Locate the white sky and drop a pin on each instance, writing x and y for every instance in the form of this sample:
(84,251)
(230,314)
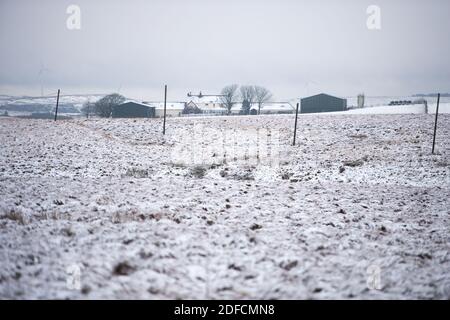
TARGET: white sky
(294,48)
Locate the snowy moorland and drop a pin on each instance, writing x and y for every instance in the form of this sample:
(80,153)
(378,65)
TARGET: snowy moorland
(103,208)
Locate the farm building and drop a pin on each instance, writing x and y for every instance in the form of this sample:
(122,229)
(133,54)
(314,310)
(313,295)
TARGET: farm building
(267,108)
(133,109)
(173,109)
(273,108)
(208,105)
(322,103)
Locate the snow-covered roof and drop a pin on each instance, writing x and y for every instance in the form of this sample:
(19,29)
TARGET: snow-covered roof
(169,105)
(210,106)
(273,106)
(137,102)
(202,100)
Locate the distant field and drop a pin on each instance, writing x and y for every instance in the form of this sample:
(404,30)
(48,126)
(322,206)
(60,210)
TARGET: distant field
(225,207)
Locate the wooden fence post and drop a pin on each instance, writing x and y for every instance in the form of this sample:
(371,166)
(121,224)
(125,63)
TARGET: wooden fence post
(295,126)
(165,102)
(57,103)
(435,122)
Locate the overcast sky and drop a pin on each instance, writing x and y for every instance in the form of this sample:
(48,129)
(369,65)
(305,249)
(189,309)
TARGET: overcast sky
(294,48)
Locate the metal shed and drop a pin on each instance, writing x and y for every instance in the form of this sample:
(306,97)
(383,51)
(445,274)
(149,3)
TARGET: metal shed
(133,110)
(322,103)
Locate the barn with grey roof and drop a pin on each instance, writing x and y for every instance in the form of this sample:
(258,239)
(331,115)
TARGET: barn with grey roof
(322,103)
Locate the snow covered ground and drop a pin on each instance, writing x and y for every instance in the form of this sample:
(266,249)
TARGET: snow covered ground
(372,101)
(416,108)
(359,208)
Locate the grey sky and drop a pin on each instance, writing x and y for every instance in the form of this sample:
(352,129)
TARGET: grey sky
(292,47)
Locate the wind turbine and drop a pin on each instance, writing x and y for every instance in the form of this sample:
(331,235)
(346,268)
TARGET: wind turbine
(41,72)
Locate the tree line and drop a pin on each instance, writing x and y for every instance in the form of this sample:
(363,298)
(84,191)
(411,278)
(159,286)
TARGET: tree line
(246,95)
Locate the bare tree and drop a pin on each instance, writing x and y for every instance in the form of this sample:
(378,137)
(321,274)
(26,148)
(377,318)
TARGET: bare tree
(262,95)
(248,97)
(88,108)
(105,105)
(229,96)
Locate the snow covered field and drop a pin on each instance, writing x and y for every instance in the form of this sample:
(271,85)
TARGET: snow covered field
(112,209)
(407,109)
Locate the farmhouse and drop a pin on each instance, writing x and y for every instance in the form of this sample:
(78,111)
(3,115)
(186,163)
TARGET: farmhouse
(132,109)
(273,108)
(173,109)
(267,108)
(322,103)
(208,105)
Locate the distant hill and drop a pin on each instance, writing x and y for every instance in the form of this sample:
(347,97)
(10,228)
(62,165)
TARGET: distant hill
(29,104)
(431,95)
(42,108)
